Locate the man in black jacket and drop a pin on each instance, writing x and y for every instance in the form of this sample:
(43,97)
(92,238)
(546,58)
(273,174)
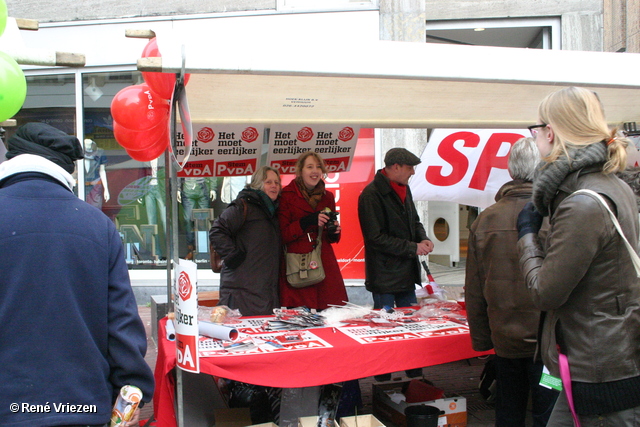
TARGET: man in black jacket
(393,235)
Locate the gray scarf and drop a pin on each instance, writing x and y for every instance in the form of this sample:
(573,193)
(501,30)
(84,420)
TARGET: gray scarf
(549,176)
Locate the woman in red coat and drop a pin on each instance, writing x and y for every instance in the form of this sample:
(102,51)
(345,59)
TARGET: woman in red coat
(301,203)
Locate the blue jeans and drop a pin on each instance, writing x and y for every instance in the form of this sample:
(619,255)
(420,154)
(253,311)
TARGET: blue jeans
(516,378)
(398,299)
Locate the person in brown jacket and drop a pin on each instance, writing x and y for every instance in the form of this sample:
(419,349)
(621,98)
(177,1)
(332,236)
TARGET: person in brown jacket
(582,275)
(501,314)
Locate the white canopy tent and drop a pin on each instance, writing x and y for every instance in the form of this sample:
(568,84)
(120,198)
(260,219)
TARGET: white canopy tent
(383,85)
(389,84)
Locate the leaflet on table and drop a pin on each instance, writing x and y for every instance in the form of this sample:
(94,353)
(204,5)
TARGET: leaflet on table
(252,325)
(409,331)
(336,145)
(186,315)
(222,150)
(261,343)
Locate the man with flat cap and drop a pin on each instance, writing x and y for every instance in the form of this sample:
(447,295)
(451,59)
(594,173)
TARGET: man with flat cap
(71,334)
(394,237)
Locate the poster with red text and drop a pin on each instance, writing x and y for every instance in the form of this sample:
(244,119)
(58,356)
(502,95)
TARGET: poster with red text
(465,166)
(222,150)
(336,145)
(410,331)
(186,312)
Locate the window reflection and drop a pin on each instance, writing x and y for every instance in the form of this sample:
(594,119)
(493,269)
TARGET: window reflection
(131,193)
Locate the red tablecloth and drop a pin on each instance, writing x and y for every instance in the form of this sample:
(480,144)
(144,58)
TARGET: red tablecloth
(347,359)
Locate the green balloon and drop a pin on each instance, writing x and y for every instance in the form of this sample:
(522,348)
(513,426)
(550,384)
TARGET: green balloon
(3,16)
(13,87)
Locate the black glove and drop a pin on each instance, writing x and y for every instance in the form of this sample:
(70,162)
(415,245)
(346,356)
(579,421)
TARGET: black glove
(529,220)
(309,220)
(235,258)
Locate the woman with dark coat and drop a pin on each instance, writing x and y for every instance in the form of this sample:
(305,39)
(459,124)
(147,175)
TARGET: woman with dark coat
(582,276)
(301,217)
(247,236)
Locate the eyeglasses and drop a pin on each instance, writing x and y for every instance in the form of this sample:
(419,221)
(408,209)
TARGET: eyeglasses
(536,128)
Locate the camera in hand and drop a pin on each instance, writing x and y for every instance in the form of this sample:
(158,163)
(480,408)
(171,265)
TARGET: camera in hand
(331,225)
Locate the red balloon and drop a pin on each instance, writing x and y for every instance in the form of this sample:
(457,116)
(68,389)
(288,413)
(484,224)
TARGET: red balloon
(161,83)
(139,108)
(141,140)
(150,153)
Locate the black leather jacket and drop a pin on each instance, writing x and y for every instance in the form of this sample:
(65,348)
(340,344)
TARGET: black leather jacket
(391,231)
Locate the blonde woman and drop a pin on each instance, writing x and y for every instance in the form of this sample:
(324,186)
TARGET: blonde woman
(582,275)
(247,235)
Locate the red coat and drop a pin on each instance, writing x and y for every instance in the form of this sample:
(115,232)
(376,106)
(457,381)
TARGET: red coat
(331,290)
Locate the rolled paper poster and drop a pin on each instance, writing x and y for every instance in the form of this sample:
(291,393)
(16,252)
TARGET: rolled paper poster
(214,330)
(171,330)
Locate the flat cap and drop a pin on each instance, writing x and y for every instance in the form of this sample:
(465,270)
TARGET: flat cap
(401,156)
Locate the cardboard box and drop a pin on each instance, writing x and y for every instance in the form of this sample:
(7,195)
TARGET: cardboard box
(360,421)
(386,409)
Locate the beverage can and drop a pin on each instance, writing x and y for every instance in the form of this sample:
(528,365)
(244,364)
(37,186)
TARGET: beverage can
(126,404)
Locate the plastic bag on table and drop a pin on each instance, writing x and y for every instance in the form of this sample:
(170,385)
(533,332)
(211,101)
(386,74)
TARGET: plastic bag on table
(438,308)
(432,291)
(218,314)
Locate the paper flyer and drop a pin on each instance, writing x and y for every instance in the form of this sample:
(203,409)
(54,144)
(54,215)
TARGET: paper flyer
(186,315)
(336,145)
(222,150)
(423,329)
(261,343)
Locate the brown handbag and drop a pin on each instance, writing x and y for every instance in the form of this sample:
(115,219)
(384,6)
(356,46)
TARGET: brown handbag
(216,258)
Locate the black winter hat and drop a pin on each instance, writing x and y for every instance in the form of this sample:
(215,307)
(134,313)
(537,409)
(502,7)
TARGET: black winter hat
(46,141)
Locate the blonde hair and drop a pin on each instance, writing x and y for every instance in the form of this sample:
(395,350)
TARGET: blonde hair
(576,116)
(259,176)
(303,157)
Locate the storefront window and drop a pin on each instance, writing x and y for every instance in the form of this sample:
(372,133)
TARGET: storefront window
(532,33)
(130,192)
(50,99)
(134,194)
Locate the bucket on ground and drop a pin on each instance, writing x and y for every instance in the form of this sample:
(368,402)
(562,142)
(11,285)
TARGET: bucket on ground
(422,416)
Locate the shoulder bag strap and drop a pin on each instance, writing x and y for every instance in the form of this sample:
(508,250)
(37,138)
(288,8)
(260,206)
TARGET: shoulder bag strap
(244,210)
(565,375)
(634,256)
